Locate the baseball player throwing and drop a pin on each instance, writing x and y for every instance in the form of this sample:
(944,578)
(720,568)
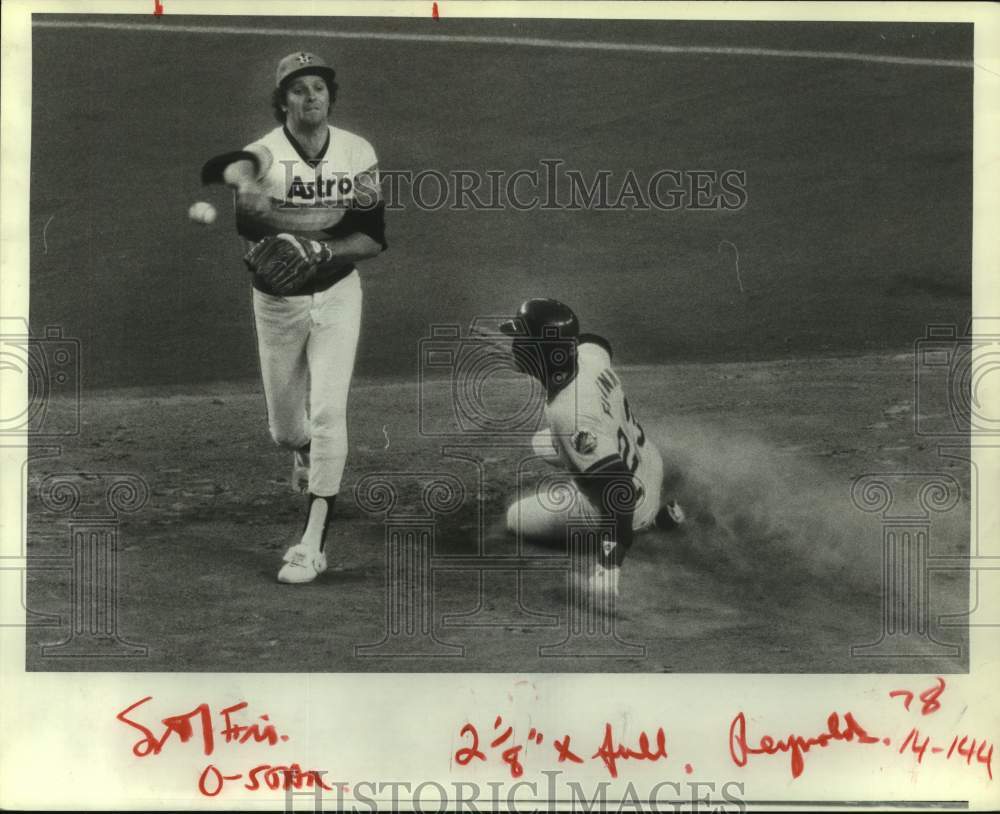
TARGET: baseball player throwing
(308,203)
(613,470)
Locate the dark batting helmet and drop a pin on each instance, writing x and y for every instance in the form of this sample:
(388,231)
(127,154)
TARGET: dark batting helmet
(544,333)
(542,318)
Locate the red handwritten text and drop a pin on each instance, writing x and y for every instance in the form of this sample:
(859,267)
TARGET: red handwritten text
(200,724)
(611,754)
(510,755)
(274,778)
(969,748)
(184,726)
(929,697)
(796,745)
(179,725)
(564,752)
(467,754)
(241,733)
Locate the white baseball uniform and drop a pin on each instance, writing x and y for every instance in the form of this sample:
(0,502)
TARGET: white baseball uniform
(307,342)
(589,422)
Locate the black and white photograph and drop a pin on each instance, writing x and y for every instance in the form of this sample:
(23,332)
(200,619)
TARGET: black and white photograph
(487,345)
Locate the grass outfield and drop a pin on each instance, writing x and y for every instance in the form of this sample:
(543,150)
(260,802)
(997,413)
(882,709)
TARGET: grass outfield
(777,571)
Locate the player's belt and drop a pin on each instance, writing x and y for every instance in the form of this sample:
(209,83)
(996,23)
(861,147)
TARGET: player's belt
(321,282)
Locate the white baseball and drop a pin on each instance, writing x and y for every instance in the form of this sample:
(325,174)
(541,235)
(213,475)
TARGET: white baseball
(202,212)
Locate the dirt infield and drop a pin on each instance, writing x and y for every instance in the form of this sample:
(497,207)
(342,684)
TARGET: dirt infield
(778,569)
(854,237)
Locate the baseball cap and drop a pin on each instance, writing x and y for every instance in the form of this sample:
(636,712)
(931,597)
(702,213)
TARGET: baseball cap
(302,62)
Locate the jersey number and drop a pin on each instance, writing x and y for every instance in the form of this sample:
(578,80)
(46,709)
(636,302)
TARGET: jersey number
(628,455)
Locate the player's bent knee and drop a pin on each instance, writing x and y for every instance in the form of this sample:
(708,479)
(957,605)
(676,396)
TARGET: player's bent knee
(289,440)
(523,520)
(330,441)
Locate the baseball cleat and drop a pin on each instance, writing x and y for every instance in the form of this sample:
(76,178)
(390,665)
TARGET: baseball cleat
(670,516)
(300,472)
(302,564)
(604,582)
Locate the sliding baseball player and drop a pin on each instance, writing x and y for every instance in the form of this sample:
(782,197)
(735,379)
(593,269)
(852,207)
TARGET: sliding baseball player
(613,469)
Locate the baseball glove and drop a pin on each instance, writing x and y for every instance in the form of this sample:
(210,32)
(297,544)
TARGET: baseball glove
(285,263)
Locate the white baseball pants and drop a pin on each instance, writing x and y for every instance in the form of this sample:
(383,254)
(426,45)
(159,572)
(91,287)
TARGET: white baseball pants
(549,506)
(307,346)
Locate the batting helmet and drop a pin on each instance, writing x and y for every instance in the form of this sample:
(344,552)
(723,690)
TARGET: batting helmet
(544,333)
(542,319)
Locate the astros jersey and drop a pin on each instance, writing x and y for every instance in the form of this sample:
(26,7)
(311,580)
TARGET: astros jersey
(591,423)
(310,197)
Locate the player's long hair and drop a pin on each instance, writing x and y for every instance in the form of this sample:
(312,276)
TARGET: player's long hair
(278,100)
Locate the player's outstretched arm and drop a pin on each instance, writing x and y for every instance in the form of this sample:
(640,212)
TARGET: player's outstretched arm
(240,171)
(250,198)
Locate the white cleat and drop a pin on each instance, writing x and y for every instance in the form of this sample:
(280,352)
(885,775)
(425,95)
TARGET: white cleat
(302,564)
(670,516)
(676,512)
(300,472)
(604,582)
